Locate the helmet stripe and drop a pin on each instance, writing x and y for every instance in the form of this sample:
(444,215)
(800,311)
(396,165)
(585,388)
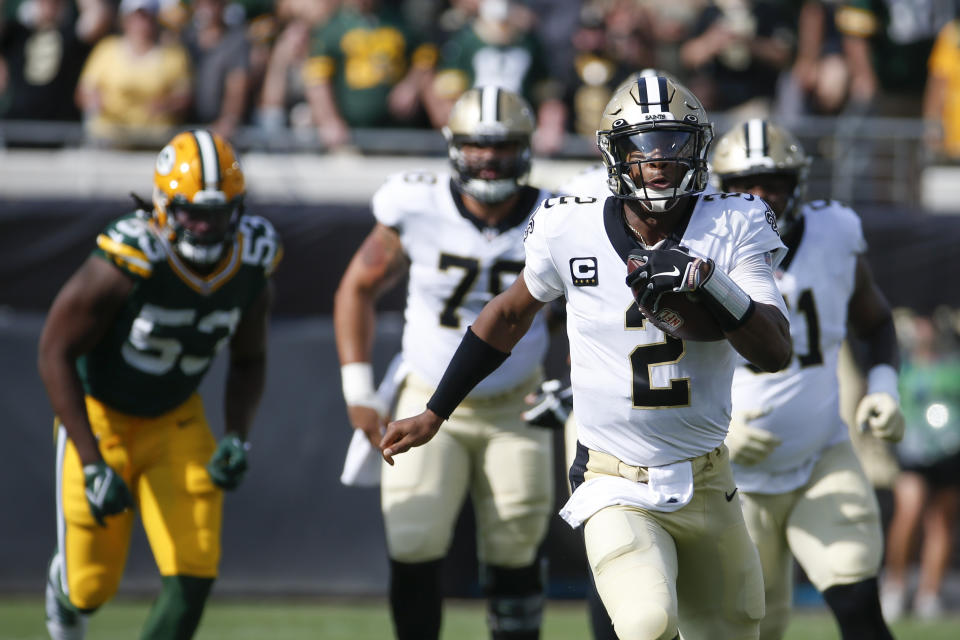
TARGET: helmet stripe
(490,105)
(209,160)
(653,94)
(755,136)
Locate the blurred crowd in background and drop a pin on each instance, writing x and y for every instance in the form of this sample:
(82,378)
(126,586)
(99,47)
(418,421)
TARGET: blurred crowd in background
(133,70)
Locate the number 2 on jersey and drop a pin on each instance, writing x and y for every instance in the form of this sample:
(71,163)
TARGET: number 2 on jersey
(471,268)
(644,358)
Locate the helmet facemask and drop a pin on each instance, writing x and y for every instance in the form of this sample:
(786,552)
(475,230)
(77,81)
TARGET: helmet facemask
(655,165)
(493,174)
(201,247)
(654,136)
(797,191)
(499,124)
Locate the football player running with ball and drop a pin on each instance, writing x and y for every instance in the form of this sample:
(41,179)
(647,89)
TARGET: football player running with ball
(126,343)
(665,538)
(802,487)
(459,237)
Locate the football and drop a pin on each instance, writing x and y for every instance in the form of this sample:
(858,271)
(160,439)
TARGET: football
(683,317)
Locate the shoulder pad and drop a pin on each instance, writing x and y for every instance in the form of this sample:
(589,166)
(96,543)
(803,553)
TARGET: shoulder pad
(129,243)
(261,243)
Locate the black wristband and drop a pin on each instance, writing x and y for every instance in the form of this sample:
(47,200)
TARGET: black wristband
(473,361)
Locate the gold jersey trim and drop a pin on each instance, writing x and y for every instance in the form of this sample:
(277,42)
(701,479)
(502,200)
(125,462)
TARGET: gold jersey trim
(206,285)
(125,256)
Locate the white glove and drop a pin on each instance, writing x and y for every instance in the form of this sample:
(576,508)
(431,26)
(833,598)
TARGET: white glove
(749,445)
(880,412)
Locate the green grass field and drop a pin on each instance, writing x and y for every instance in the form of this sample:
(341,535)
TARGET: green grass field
(22,619)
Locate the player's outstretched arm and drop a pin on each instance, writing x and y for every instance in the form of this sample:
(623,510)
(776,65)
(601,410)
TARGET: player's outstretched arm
(871,320)
(486,344)
(377,266)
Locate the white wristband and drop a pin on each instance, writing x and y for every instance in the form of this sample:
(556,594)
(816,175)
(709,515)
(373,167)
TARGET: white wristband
(883,379)
(358,389)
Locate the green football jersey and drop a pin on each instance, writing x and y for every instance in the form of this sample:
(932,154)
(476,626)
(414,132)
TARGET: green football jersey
(174,322)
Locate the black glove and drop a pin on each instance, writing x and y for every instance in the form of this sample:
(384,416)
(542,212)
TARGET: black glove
(653,273)
(107,493)
(552,406)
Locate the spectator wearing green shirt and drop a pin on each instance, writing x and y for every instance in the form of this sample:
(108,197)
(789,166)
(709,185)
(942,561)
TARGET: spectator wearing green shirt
(367,68)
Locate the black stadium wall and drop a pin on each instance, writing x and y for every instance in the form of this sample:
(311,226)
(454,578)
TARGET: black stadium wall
(292,527)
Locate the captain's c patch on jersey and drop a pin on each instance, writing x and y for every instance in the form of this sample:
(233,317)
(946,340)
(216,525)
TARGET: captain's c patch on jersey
(583,272)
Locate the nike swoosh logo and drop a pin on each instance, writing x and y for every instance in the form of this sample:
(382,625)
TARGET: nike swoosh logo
(729,496)
(675,272)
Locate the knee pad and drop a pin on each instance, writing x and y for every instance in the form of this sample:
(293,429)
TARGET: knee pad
(644,621)
(515,598)
(857,610)
(513,542)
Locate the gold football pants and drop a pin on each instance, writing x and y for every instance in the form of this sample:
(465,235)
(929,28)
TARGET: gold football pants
(487,448)
(831,525)
(163,461)
(695,569)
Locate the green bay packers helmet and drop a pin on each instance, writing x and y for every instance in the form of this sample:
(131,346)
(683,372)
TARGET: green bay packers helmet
(490,117)
(654,120)
(760,147)
(197,174)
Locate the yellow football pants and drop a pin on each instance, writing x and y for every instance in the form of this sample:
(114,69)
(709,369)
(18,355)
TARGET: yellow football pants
(163,461)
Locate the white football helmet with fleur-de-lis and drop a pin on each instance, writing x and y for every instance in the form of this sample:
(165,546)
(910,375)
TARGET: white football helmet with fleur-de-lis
(490,116)
(654,120)
(759,147)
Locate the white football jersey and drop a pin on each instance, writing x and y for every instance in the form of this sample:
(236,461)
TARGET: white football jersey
(457,265)
(647,398)
(817,280)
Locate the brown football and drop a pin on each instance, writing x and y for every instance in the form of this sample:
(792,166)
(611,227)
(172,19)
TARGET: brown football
(682,317)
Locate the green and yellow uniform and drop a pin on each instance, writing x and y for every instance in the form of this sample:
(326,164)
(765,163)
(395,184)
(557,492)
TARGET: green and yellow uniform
(141,384)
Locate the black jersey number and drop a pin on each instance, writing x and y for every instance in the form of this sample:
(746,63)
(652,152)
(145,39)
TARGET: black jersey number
(647,356)
(471,268)
(808,307)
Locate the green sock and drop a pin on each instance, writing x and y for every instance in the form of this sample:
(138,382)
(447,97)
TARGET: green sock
(176,612)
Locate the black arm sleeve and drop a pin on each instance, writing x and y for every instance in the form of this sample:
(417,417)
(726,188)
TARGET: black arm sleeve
(473,361)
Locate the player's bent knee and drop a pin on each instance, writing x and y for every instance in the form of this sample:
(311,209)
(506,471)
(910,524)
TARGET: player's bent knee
(638,620)
(414,544)
(91,592)
(516,543)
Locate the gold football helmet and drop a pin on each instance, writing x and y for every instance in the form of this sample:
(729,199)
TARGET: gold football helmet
(197,177)
(654,121)
(490,117)
(759,147)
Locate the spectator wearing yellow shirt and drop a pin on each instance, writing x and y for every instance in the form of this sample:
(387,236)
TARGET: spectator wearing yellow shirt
(941,100)
(134,88)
